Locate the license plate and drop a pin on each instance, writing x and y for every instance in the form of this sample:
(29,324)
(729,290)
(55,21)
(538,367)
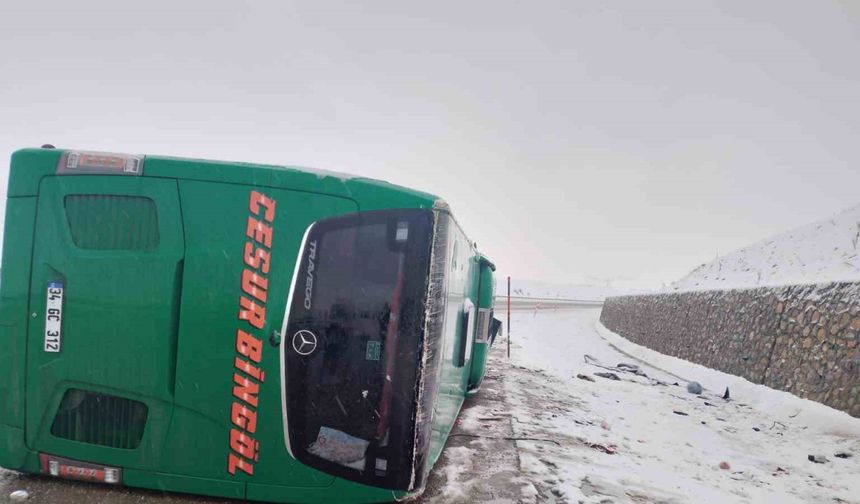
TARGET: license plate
(54,317)
(83,471)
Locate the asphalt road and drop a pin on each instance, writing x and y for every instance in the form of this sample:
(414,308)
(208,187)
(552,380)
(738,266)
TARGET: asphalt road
(490,471)
(488,474)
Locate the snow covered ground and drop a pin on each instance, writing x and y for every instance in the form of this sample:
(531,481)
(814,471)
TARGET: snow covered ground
(536,433)
(644,438)
(820,252)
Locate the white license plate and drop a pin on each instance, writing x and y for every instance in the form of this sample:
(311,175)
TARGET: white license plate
(54,317)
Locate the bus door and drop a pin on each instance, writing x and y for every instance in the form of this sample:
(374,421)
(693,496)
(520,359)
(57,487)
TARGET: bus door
(104,303)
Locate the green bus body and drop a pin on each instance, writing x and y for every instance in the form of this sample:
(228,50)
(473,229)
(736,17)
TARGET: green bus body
(237,330)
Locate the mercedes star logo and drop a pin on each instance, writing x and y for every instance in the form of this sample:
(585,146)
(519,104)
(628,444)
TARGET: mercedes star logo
(304,342)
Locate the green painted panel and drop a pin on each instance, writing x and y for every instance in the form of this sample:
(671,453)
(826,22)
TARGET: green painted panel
(187,484)
(28,168)
(14,298)
(486,299)
(216,220)
(119,323)
(12,449)
(379,195)
(339,491)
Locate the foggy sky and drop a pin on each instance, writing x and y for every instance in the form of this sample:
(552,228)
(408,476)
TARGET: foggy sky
(575,141)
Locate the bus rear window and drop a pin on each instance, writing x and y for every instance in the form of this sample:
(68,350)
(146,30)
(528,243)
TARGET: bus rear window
(352,345)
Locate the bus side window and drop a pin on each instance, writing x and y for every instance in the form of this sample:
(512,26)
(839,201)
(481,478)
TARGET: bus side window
(482,334)
(466,332)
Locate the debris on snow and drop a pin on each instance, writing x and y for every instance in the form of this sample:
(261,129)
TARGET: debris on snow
(694,387)
(726,395)
(608,376)
(659,454)
(585,377)
(609,449)
(19,495)
(775,423)
(725,466)
(843,455)
(780,405)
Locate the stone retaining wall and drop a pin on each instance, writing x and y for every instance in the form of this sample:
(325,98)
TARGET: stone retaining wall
(804,339)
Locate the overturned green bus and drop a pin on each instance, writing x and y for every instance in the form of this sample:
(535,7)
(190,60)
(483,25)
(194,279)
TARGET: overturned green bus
(229,329)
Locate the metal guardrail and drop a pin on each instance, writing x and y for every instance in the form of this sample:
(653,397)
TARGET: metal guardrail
(523,302)
(536,304)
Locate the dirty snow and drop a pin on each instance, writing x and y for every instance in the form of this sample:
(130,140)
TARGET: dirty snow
(765,398)
(820,252)
(19,495)
(480,462)
(459,461)
(646,439)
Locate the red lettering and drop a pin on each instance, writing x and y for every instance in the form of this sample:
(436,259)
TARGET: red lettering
(252,312)
(257,258)
(244,417)
(250,369)
(244,449)
(235,462)
(261,233)
(255,285)
(244,444)
(261,200)
(245,389)
(249,346)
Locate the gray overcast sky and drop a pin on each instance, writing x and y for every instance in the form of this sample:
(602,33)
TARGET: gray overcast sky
(574,140)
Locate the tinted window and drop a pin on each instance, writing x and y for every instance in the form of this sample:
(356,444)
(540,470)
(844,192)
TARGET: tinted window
(353,344)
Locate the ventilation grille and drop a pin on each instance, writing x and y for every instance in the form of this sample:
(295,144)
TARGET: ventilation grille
(101,419)
(112,222)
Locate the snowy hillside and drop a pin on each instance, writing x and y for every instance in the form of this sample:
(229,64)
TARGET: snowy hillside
(821,252)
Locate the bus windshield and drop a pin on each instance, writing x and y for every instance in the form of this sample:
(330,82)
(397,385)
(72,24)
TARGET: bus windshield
(353,344)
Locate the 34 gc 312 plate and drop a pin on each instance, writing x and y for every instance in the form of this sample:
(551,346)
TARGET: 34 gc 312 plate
(54,317)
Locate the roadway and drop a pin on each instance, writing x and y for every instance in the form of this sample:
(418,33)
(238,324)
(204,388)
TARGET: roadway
(529,303)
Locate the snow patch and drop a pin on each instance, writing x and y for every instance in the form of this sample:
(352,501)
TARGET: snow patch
(19,495)
(459,462)
(776,402)
(663,444)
